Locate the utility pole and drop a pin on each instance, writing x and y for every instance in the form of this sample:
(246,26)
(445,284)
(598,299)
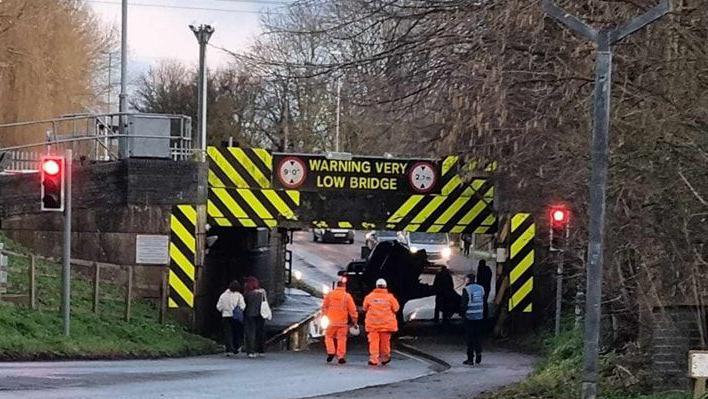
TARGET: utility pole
(339,98)
(604,39)
(110,88)
(286,126)
(66,255)
(122,105)
(203,34)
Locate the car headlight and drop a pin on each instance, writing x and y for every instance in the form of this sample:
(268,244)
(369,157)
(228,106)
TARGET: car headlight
(414,250)
(446,252)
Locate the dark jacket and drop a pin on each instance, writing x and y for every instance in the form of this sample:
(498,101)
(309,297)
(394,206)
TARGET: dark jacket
(254,299)
(443,283)
(484,278)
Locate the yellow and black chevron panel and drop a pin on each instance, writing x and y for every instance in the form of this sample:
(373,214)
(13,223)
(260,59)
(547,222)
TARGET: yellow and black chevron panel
(521,262)
(237,167)
(467,209)
(323,224)
(242,207)
(452,180)
(183,247)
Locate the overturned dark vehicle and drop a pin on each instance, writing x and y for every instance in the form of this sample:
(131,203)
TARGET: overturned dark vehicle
(395,263)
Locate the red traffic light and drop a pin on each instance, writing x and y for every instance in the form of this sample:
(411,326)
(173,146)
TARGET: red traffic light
(560,216)
(51,167)
(52,183)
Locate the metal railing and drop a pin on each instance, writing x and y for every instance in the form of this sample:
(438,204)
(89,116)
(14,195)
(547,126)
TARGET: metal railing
(93,137)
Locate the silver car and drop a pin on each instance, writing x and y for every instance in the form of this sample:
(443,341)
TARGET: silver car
(377,236)
(436,245)
(333,235)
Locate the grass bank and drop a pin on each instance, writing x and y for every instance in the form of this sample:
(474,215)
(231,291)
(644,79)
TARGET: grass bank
(27,334)
(559,375)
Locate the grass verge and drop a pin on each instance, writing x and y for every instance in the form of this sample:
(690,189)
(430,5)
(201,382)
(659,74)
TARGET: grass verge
(559,375)
(27,334)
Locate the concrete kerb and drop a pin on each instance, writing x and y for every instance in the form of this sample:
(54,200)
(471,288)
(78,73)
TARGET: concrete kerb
(438,365)
(290,330)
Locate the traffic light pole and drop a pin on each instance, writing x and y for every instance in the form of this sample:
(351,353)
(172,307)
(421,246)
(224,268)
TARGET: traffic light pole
(604,39)
(66,256)
(559,292)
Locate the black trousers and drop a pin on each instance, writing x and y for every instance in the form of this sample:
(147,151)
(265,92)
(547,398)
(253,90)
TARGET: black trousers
(440,307)
(255,334)
(473,339)
(233,334)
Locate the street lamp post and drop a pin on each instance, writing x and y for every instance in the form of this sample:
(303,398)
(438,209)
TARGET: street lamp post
(203,34)
(122,97)
(604,39)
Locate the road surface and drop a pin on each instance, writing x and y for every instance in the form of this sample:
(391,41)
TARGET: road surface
(499,368)
(280,375)
(286,375)
(319,263)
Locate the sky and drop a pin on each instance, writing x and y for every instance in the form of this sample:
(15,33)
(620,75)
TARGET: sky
(159,29)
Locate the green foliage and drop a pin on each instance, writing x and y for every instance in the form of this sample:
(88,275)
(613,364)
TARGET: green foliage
(37,334)
(559,375)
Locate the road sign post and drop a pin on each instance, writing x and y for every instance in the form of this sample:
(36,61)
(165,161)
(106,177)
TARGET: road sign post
(604,39)
(3,270)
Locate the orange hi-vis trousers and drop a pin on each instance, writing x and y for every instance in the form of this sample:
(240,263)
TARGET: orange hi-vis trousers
(340,335)
(379,346)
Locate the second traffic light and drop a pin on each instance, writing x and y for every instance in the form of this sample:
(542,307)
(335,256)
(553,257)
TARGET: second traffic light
(559,216)
(52,172)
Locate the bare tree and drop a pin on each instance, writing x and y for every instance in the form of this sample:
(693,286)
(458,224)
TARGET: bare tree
(50,61)
(496,80)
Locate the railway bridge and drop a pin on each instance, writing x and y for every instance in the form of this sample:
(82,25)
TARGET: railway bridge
(225,212)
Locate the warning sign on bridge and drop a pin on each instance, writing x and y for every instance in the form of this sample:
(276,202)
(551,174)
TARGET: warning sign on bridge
(317,172)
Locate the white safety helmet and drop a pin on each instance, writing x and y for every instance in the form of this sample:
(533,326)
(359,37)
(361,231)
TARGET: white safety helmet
(381,283)
(354,331)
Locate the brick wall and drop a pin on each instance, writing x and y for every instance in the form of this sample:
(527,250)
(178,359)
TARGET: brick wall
(112,203)
(675,332)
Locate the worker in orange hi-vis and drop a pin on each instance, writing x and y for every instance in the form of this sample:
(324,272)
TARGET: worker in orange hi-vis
(380,307)
(338,307)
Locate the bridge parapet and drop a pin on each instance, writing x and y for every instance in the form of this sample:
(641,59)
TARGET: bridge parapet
(112,201)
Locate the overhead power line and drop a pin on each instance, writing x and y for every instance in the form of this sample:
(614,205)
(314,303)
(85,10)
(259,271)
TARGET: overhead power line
(153,5)
(276,2)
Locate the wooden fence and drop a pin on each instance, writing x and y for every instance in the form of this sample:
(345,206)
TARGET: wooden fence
(96,268)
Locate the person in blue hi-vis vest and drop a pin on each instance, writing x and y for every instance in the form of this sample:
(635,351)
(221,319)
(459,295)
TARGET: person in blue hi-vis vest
(472,311)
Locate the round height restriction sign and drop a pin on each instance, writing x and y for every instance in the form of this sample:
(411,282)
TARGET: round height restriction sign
(292,172)
(422,177)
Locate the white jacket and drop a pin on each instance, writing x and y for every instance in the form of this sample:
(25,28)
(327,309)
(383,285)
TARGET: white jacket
(228,301)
